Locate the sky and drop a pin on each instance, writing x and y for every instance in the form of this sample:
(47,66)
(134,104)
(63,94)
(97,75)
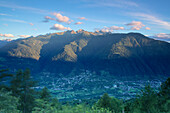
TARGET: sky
(24,18)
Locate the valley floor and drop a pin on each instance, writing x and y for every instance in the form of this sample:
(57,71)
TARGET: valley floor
(88,85)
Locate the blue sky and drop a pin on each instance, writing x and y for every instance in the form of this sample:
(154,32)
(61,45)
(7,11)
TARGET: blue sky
(23,18)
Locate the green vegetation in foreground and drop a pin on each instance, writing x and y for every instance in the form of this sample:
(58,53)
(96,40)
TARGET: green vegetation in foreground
(20,96)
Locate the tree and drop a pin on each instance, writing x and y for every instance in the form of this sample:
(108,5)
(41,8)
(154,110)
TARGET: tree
(116,105)
(16,83)
(129,105)
(146,102)
(8,103)
(164,96)
(104,102)
(3,75)
(42,106)
(44,94)
(112,104)
(23,87)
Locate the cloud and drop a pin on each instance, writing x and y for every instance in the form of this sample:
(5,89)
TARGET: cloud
(82,18)
(15,20)
(59,27)
(103,30)
(136,25)
(12,36)
(31,24)
(2,14)
(5,24)
(104,21)
(112,3)
(31,9)
(110,29)
(152,19)
(7,35)
(129,3)
(147,28)
(61,18)
(70,21)
(78,23)
(24,36)
(47,18)
(162,36)
(136,28)
(116,28)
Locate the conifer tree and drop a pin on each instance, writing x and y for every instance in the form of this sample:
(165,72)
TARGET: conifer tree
(8,103)
(164,96)
(146,102)
(104,102)
(23,87)
(110,103)
(3,75)
(44,94)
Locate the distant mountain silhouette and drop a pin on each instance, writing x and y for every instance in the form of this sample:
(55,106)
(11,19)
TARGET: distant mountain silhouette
(4,42)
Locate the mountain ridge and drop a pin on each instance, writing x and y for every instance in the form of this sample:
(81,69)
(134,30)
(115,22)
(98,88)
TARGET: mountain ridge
(118,53)
(4,42)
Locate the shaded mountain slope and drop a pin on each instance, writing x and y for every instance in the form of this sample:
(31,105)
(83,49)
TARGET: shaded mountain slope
(129,54)
(4,42)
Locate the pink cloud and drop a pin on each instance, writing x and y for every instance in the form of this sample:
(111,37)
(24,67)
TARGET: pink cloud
(47,18)
(7,35)
(31,24)
(61,18)
(152,19)
(110,29)
(147,28)
(59,27)
(136,25)
(163,36)
(136,28)
(24,36)
(78,23)
(117,28)
(82,18)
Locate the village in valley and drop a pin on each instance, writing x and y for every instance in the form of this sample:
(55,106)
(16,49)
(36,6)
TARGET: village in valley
(91,85)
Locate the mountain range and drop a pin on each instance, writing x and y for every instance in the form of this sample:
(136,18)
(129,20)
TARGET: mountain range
(120,54)
(4,42)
